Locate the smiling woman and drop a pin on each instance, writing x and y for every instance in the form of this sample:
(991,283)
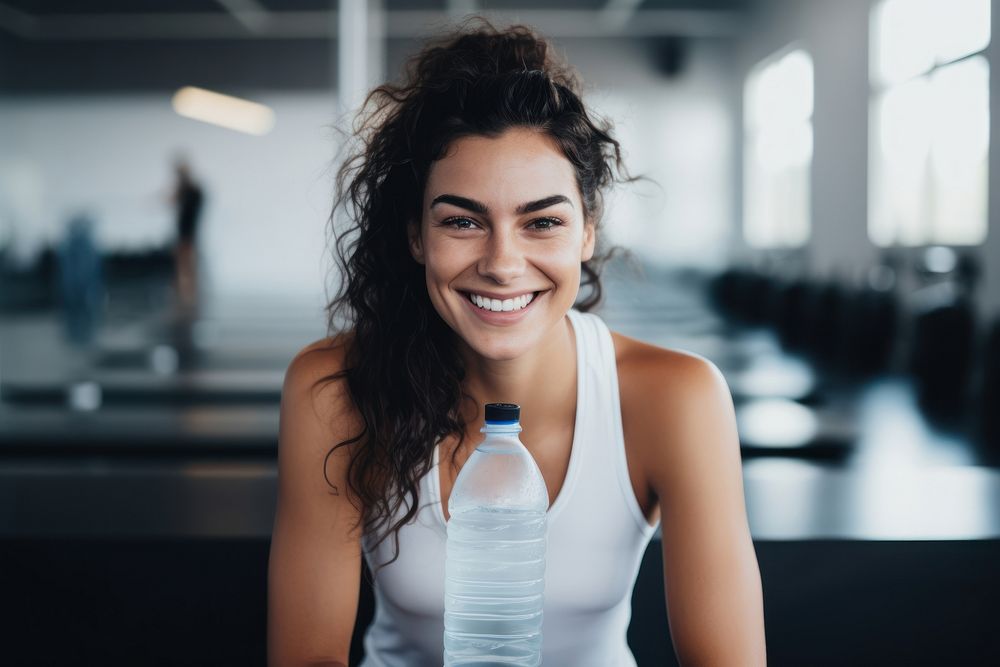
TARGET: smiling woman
(476,206)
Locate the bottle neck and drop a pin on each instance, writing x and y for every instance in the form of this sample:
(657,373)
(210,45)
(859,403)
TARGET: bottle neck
(508,428)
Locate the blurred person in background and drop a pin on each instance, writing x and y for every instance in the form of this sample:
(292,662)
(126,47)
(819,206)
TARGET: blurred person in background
(481,178)
(81,280)
(187,198)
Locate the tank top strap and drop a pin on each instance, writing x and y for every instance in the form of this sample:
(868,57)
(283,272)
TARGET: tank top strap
(602,437)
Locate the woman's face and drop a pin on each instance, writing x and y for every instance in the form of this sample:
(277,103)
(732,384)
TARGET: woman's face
(502,219)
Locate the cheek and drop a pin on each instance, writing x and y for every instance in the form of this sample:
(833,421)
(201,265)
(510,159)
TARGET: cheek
(559,256)
(561,267)
(444,264)
(443,258)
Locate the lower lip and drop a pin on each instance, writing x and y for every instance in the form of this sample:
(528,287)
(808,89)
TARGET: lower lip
(503,317)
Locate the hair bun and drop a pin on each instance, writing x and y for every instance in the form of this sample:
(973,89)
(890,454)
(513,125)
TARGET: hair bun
(480,50)
(519,50)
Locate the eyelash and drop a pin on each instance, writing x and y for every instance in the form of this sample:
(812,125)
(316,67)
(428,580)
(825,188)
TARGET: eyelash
(556,222)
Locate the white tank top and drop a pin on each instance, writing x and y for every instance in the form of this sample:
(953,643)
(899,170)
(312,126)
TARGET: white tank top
(596,538)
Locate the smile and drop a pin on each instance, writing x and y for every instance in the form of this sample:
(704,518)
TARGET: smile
(502,312)
(504,305)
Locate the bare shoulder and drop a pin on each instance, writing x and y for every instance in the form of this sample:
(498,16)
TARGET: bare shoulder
(644,368)
(669,398)
(315,368)
(320,357)
(316,408)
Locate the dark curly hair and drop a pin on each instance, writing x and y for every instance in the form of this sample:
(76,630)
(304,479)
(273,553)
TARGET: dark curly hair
(402,368)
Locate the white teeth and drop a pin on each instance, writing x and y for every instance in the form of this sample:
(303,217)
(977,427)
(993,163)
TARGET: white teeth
(506,305)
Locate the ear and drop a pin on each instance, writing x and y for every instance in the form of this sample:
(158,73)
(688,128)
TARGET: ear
(589,240)
(415,242)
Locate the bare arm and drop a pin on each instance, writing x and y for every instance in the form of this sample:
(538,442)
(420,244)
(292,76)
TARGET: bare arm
(314,571)
(712,580)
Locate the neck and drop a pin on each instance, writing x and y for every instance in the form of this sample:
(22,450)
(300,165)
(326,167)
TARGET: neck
(543,382)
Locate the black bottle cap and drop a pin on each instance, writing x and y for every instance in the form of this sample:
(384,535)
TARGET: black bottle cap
(503,412)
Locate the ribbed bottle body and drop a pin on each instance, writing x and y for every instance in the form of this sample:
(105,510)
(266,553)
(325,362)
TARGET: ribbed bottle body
(494,584)
(495,557)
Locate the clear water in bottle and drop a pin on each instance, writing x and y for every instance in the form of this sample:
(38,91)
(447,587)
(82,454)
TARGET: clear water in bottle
(495,563)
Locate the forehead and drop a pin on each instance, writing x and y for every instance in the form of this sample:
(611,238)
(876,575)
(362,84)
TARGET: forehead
(514,166)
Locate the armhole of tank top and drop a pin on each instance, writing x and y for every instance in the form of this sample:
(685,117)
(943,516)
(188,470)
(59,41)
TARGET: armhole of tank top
(576,453)
(624,479)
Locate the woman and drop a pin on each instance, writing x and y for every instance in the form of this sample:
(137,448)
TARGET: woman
(476,208)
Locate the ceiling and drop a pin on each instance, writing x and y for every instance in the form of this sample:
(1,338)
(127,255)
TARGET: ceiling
(68,46)
(49,7)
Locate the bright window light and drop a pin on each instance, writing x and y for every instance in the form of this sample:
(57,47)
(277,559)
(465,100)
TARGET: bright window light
(226,111)
(959,149)
(964,28)
(898,211)
(904,33)
(911,36)
(778,143)
(929,128)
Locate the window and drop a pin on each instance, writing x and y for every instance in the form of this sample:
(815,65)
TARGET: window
(777,150)
(929,122)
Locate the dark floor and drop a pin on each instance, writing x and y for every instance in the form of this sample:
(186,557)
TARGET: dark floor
(203,602)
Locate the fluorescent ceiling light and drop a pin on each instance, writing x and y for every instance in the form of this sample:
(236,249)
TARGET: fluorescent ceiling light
(223,110)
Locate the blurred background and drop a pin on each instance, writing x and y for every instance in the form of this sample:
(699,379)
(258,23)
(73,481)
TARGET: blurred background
(819,228)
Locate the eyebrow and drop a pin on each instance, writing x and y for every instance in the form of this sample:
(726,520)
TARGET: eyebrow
(482,209)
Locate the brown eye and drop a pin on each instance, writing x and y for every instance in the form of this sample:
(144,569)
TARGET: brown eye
(547,223)
(457,223)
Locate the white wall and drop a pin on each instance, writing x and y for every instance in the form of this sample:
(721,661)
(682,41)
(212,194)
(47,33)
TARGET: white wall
(677,131)
(268,197)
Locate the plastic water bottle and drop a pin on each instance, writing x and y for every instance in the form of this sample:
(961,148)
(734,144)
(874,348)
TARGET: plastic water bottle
(495,559)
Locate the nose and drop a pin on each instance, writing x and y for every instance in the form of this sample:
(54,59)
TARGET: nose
(503,257)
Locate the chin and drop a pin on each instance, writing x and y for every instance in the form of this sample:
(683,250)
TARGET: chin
(499,347)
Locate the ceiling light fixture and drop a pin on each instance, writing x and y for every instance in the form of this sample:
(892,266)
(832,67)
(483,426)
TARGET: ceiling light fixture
(223,110)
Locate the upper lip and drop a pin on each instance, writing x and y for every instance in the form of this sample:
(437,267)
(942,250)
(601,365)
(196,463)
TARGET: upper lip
(494,295)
